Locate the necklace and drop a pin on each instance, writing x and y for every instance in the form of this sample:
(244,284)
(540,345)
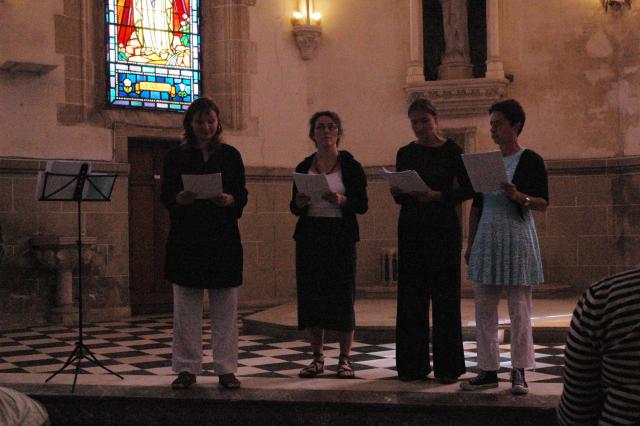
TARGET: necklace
(315,166)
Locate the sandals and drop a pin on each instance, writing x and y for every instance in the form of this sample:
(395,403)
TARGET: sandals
(228,381)
(184,380)
(345,368)
(312,370)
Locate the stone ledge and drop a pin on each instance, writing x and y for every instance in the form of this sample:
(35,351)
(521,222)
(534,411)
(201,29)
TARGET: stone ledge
(31,166)
(461,97)
(614,165)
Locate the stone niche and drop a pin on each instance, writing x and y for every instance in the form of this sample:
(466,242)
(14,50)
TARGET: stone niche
(456,94)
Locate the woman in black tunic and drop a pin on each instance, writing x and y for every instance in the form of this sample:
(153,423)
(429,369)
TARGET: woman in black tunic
(429,243)
(326,234)
(204,249)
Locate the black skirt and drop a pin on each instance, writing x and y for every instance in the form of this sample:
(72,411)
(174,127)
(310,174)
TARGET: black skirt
(326,276)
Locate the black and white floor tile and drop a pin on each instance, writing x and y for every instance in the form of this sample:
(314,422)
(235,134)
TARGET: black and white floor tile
(143,347)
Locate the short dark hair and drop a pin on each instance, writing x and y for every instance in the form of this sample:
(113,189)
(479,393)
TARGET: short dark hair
(197,106)
(424,105)
(332,115)
(512,110)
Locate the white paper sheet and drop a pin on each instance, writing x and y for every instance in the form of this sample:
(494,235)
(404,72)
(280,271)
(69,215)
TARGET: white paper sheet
(406,181)
(205,186)
(486,170)
(103,183)
(55,183)
(313,186)
(66,167)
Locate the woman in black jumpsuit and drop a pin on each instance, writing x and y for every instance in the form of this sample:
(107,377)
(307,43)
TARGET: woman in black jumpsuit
(429,240)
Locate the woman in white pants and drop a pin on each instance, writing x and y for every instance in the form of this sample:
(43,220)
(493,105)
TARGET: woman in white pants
(204,250)
(503,251)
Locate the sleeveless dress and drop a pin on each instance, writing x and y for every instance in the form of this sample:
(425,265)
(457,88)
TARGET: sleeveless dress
(505,249)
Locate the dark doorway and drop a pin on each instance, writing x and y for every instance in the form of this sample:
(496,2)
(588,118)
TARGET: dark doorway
(148,227)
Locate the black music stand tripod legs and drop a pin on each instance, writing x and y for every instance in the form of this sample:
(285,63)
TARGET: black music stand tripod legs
(81,351)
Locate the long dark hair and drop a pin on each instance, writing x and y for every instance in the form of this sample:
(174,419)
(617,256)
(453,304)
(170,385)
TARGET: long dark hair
(200,105)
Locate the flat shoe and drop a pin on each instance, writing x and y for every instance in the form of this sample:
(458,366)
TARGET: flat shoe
(184,380)
(229,381)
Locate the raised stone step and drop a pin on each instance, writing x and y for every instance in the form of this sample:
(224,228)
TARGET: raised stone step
(344,405)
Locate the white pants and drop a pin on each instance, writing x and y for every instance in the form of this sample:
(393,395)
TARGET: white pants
(187,329)
(487,298)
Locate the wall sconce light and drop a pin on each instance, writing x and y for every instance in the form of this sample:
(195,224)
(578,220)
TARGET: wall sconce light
(616,5)
(306,28)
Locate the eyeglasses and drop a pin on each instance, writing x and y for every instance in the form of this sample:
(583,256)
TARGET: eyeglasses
(331,127)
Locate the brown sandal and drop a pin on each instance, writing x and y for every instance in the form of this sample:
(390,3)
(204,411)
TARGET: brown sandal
(345,368)
(312,370)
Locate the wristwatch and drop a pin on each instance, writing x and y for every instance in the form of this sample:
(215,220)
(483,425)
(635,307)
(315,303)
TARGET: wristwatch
(527,201)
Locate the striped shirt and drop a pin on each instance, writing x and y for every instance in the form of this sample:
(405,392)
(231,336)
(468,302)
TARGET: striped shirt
(602,355)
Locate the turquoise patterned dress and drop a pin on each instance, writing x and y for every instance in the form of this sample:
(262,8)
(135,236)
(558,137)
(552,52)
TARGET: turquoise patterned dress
(505,249)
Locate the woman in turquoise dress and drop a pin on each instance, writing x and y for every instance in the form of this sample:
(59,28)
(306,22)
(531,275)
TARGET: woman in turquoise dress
(503,251)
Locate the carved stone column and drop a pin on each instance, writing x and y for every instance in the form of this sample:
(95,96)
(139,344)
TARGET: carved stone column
(415,67)
(455,61)
(495,68)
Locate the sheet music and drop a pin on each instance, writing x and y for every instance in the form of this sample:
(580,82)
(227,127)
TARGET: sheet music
(312,185)
(486,170)
(205,186)
(406,181)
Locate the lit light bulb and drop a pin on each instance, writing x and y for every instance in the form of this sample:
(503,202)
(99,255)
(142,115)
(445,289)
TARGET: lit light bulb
(316,16)
(298,15)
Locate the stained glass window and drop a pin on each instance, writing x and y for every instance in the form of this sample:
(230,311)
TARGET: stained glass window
(153,53)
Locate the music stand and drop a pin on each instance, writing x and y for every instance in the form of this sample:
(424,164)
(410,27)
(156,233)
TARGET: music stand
(69,184)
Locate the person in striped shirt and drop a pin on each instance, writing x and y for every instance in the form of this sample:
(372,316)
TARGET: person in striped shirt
(602,355)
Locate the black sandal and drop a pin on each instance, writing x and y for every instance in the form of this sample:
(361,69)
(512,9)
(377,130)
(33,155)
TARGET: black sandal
(345,368)
(312,370)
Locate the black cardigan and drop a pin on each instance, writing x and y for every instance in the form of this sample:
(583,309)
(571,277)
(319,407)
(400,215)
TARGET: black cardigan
(355,183)
(530,177)
(203,247)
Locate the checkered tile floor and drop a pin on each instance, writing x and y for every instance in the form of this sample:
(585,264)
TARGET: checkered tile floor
(143,347)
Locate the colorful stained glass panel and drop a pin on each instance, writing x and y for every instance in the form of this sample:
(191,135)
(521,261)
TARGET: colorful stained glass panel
(153,53)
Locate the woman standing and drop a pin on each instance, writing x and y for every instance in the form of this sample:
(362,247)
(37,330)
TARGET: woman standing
(429,242)
(203,248)
(503,251)
(326,234)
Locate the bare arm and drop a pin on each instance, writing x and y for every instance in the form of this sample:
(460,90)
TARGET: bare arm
(529,201)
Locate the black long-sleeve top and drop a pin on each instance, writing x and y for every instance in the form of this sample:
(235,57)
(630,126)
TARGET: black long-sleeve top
(442,170)
(355,183)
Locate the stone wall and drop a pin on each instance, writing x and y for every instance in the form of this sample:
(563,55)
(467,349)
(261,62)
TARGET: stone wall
(27,289)
(591,229)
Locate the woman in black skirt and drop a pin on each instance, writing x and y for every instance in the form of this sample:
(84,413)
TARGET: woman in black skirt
(326,236)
